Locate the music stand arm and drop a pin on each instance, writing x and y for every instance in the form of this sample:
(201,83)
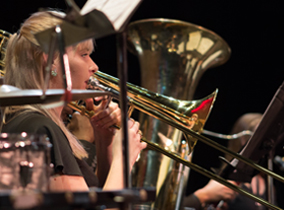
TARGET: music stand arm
(122,72)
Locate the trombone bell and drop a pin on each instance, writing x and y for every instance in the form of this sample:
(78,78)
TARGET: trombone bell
(190,114)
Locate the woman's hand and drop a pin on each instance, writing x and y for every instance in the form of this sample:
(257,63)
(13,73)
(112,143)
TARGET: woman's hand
(135,145)
(103,120)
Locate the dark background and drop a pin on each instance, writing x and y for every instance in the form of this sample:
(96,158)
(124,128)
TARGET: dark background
(247,82)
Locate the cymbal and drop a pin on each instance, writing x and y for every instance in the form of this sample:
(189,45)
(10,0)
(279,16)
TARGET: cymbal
(10,95)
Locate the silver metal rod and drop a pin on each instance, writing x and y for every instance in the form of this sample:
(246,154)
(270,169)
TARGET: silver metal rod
(224,136)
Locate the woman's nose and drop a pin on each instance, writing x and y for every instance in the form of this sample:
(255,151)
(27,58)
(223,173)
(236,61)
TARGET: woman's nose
(93,68)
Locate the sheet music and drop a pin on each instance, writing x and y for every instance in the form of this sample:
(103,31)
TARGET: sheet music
(117,11)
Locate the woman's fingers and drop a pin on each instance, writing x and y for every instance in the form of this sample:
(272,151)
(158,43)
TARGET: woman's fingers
(108,117)
(134,125)
(89,104)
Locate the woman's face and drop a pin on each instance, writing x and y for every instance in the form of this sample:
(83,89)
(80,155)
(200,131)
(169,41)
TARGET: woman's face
(81,64)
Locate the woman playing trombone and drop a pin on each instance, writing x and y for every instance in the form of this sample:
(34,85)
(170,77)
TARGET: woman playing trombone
(25,66)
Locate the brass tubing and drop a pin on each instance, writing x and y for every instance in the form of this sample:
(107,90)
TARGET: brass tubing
(80,109)
(208,174)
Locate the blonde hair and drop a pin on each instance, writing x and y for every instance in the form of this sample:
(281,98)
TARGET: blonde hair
(25,66)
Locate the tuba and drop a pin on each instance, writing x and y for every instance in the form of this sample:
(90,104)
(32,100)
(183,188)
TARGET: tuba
(173,55)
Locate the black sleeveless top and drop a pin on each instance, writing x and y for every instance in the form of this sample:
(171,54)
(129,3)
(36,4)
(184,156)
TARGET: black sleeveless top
(61,154)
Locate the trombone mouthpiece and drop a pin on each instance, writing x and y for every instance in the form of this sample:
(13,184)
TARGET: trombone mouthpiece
(94,83)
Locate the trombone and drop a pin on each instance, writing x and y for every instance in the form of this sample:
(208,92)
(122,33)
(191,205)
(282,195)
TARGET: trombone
(167,109)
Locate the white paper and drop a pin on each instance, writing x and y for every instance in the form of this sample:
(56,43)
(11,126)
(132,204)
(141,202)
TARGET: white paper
(117,11)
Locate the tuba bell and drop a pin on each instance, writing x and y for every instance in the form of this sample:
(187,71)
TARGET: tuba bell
(173,55)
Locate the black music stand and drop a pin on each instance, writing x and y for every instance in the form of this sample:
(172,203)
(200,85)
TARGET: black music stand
(261,145)
(262,142)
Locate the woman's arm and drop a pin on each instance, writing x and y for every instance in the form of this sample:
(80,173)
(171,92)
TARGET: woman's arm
(59,183)
(115,179)
(104,133)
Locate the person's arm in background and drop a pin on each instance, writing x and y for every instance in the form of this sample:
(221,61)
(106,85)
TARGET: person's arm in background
(213,192)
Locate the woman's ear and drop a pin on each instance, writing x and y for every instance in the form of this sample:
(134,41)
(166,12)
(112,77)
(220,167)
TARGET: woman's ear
(53,67)
(45,59)
(45,56)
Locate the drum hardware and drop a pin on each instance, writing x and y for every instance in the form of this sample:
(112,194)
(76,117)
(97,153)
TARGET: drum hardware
(26,170)
(24,162)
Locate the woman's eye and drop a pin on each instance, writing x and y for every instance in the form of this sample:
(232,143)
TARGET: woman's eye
(85,55)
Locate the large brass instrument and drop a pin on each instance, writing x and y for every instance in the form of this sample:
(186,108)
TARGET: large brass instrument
(4,37)
(173,56)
